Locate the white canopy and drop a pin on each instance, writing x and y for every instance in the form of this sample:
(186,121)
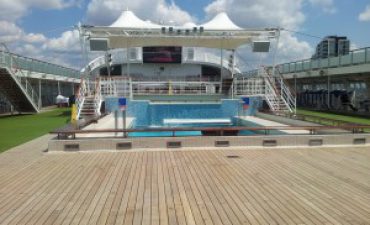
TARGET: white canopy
(130,31)
(129,20)
(220,22)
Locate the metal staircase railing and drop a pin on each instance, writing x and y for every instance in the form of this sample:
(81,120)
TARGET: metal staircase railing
(97,97)
(89,90)
(19,77)
(80,98)
(280,88)
(272,88)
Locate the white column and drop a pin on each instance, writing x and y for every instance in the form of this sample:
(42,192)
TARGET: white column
(40,93)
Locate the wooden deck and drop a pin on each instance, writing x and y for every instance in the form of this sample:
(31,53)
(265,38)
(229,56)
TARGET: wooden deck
(276,186)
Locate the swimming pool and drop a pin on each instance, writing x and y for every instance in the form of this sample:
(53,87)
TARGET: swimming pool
(224,122)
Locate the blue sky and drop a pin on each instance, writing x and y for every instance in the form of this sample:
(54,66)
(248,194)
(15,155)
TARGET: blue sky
(42,29)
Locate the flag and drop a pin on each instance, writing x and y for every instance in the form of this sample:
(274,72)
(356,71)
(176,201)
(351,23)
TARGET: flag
(245,103)
(122,104)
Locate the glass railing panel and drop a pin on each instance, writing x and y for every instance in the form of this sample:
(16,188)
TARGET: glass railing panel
(359,56)
(292,67)
(324,63)
(368,55)
(315,64)
(307,65)
(286,68)
(334,61)
(345,59)
(299,66)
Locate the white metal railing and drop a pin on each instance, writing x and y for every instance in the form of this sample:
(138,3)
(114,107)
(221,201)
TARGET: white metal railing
(176,88)
(97,97)
(271,96)
(19,77)
(115,86)
(355,57)
(125,87)
(288,97)
(34,65)
(272,88)
(80,97)
(249,86)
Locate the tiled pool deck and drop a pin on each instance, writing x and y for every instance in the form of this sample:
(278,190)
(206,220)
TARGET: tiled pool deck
(265,186)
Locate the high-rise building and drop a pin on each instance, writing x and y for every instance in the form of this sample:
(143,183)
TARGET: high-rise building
(332,46)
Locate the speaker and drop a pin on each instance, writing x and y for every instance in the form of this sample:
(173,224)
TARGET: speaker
(98,44)
(261,46)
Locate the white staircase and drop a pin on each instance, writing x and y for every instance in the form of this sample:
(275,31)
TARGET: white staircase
(272,88)
(15,85)
(89,99)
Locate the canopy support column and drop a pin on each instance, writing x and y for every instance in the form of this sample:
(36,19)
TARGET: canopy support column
(232,73)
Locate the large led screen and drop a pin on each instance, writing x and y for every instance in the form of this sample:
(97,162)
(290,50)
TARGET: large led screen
(162,54)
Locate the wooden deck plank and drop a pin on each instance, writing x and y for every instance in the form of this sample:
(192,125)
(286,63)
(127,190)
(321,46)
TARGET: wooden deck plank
(80,205)
(118,217)
(31,194)
(110,208)
(269,186)
(276,194)
(57,193)
(75,191)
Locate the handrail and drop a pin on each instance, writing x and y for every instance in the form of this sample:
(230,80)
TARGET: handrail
(80,97)
(312,129)
(21,80)
(355,57)
(39,66)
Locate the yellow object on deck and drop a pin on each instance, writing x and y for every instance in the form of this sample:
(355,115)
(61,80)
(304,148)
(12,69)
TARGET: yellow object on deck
(74,114)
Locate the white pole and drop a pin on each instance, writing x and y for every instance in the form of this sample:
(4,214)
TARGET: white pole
(275,53)
(40,92)
(232,73)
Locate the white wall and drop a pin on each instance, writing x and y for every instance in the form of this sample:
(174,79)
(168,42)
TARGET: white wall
(169,70)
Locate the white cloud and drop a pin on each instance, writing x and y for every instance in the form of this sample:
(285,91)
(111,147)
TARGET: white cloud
(265,13)
(12,10)
(154,10)
(34,38)
(326,5)
(10,32)
(257,13)
(365,15)
(67,42)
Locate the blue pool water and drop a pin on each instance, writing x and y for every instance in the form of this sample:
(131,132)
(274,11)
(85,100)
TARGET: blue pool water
(147,114)
(186,133)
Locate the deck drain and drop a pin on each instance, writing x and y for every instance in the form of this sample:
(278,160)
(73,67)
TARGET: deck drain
(233,156)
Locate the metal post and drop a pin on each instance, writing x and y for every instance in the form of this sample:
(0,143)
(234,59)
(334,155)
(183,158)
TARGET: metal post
(116,121)
(295,94)
(232,74)
(275,53)
(221,68)
(328,92)
(131,93)
(40,92)
(124,122)
(107,63)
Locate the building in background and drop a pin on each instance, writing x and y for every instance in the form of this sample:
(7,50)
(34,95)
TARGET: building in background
(332,46)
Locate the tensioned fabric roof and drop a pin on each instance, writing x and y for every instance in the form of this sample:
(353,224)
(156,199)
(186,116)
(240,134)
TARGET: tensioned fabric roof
(129,20)
(220,22)
(130,31)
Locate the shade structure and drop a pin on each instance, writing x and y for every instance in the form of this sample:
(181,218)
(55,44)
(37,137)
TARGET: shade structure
(207,42)
(128,19)
(130,31)
(220,22)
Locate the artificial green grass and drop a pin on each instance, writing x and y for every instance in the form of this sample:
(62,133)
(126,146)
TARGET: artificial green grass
(18,129)
(350,119)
